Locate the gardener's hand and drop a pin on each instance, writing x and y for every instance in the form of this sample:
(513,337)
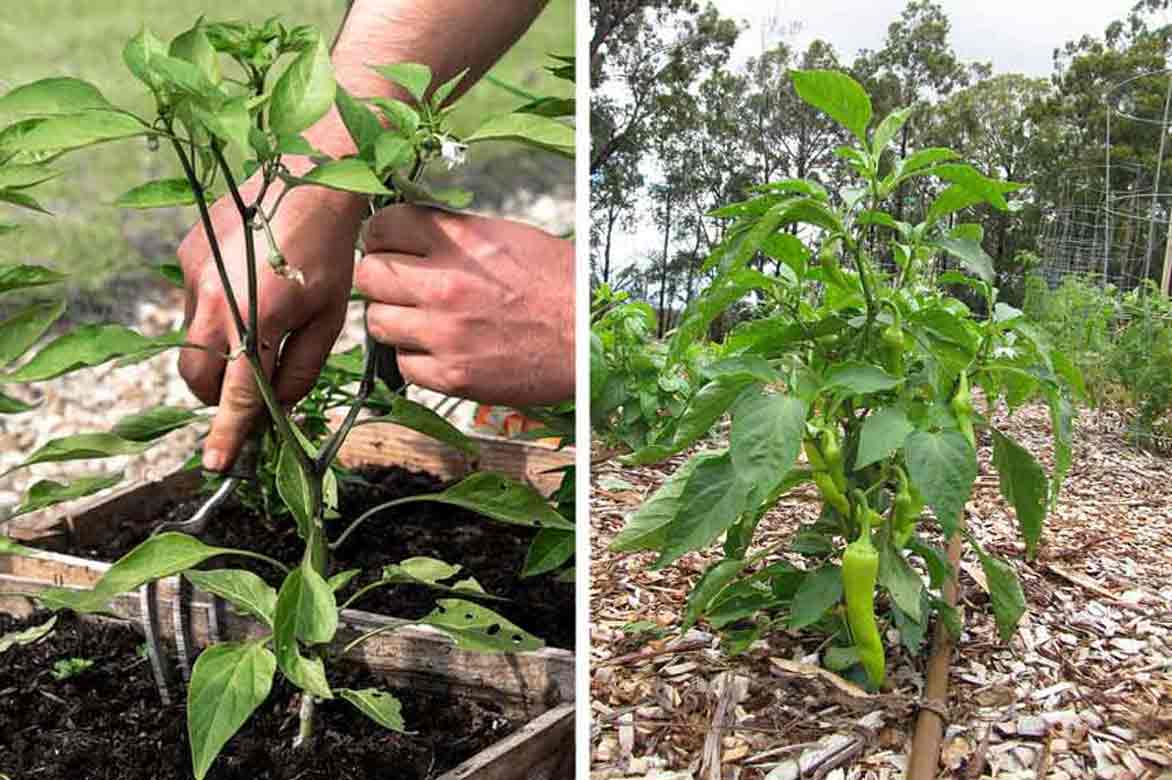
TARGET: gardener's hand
(477,308)
(317,237)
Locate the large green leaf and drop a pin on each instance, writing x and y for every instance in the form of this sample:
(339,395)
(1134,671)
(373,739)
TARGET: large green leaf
(85,347)
(708,587)
(704,409)
(72,131)
(46,492)
(380,706)
(541,132)
(860,379)
(56,95)
(159,556)
(418,417)
(889,128)
(304,92)
(1024,484)
(971,255)
(838,95)
(194,46)
(294,487)
(501,499)
(1005,594)
(725,290)
(241,588)
(480,629)
(157,194)
(1062,425)
(942,466)
(16,177)
(153,423)
(83,446)
(228,120)
(20,331)
(899,579)
(549,550)
(884,432)
(14,276)
(819,592)
(349,175)
(712,501)
(647,528)
(392,152)
(360,122)
(228,682)
(412,76)
(766,436)
(138,54)
(306,610)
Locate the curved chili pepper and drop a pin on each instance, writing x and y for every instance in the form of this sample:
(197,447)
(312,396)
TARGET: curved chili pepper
(962,409)
(860,572)
(907,508)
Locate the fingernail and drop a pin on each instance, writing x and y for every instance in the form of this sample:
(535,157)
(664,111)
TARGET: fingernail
(215,460)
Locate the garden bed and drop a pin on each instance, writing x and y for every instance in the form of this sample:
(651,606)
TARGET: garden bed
(107,721)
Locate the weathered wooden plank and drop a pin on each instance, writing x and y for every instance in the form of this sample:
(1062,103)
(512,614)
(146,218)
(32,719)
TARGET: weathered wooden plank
(543,749)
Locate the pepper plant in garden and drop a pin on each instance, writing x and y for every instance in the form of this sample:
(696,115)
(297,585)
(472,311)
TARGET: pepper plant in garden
(251,90)
(866,366)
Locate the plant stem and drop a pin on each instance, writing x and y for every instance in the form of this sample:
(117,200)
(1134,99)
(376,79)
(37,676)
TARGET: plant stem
(306,720)
(365,388)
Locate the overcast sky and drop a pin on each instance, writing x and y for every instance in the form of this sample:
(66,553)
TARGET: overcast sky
(1016,36)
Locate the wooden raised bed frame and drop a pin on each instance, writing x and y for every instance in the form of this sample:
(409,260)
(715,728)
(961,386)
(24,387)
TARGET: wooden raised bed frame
(534,686)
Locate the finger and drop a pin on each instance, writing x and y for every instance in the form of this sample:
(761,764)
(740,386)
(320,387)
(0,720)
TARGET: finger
(393,278)
(401,327)
(303,354)
(403,228)
(203,369)
(443,376)
(240,407)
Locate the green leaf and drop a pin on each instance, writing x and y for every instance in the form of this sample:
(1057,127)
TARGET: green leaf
(529,129)
(19,277)
(82,446)
(348,175)
(1024,484)
(921,160)
(725,290)
(159,556)
(83,602)
(229,121)
(22,199)
(1062,425)
(412,76)
(19,176)
(647,528)
(381,707)
(46,492)
(294,488)
(28,636)
(860,379)
(342,579)
(704,409)
(20,331)
(900,580)
(1005,594)
(85,347)
(138,54)
(445,90)
(501,499)
(400,115)
(360,122)
(479,629)
(392,152)
(163,193)
(549,550)
(942,467)
(304,92)
(10,405)
(241,588)
(306,610)
(57,95)
(889,128)
(837,95)
(708,587)
(971,255)
(228,682)
(153,423)
(10,547)
(73,131)
(711,502)
(193,46)
(884,432)
(968,178)
(820,591)
(418,417)
(765,439)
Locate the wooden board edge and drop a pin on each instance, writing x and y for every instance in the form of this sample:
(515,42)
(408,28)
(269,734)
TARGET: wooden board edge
(537,751)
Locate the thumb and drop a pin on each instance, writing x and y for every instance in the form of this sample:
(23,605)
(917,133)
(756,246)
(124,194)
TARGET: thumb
(241,406)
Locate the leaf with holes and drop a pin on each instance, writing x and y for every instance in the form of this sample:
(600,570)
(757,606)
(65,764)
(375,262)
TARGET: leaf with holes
(479,629)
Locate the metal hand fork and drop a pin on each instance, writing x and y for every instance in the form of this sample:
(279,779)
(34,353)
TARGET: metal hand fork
(181,602)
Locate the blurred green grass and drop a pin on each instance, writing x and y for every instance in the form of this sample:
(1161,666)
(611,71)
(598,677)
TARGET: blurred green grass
(88,237)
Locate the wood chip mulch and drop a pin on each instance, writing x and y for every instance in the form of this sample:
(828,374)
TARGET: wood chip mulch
(1083,690)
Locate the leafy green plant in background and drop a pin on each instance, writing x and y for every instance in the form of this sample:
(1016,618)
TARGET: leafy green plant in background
(869,374)
(251,90)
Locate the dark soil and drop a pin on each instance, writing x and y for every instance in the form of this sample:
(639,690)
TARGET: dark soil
(491,552)
(108,722)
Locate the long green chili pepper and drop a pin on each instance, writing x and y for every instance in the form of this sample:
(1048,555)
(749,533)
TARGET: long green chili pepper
(832,454)
(962,409)
(831,494)
(894,343)
(860,572)
(906,511)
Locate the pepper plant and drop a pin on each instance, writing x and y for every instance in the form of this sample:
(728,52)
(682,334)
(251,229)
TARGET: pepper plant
(865,366)
(224,89)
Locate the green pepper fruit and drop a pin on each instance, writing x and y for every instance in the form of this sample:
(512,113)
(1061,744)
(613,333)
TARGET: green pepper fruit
(962,409)
(831,270)
(906,511)
(817,462)
(831,494)
(860,573)
(832,454)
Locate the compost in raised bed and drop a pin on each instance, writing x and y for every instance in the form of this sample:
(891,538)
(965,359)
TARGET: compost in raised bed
(107,721)
(492,552)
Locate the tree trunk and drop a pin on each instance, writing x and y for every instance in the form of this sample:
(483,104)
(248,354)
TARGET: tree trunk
(612,217)
(663,276)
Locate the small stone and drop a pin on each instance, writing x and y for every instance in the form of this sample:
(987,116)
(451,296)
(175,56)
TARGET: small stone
(1031,726)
